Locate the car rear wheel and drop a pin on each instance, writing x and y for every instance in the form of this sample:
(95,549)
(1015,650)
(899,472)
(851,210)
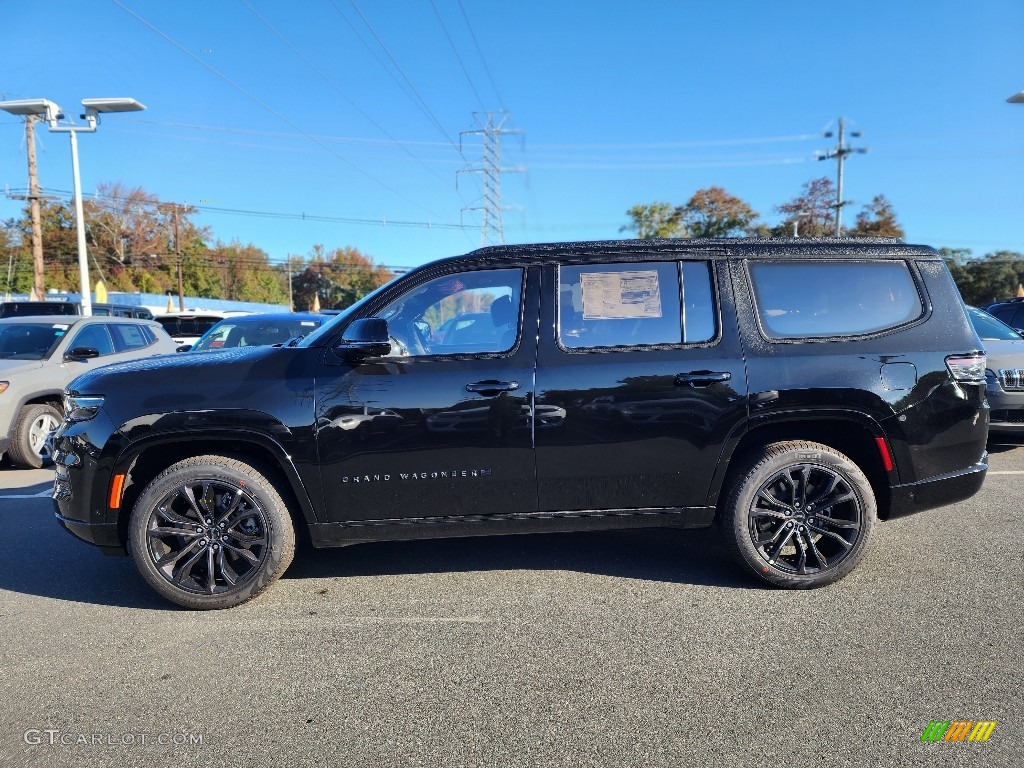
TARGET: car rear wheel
(799,515)
(30,448)
(211,532)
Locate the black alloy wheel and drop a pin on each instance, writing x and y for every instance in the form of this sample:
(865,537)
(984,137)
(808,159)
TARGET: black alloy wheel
(800,515)
(211,532)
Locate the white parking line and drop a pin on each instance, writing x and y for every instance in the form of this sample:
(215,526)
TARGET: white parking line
(39,495)
(1007,472)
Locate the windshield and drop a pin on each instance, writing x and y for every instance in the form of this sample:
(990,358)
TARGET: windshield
(989,328)
(29,341)
(255,331)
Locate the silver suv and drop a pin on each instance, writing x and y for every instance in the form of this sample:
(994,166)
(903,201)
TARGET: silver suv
(40,355)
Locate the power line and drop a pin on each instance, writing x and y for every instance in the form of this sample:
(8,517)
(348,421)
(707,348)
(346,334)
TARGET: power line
(267,107)
(426,109)
(480,53)
(382,221)
(336,89)
(458,58)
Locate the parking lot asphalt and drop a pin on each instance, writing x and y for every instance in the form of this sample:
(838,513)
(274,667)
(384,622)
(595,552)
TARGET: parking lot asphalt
(641,648)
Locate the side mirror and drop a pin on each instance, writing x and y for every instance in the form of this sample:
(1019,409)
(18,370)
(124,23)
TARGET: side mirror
(183,348)
(81,354)
(367,337)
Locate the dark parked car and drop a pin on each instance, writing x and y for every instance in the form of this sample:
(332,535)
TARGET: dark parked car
(258,330)
(794,391)
(1004,377)
(1009,311)
(36,308)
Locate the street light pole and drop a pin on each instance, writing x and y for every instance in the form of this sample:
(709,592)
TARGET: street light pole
(83,258)
(49,111)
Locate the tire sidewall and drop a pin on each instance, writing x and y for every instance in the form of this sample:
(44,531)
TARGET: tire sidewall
(280,533)
(765,465)
(21,451)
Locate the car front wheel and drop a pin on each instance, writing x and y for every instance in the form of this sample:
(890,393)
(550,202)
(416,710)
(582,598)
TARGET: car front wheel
(799,514)
(211,532)
(30,448)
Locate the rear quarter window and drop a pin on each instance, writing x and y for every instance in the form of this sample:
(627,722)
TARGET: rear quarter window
(128,337)
(829,299)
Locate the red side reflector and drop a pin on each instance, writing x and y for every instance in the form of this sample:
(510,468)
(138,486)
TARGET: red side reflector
(116,487)
(883,451)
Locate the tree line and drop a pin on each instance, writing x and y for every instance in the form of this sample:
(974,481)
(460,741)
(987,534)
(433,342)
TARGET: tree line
(136,242)
(713,212)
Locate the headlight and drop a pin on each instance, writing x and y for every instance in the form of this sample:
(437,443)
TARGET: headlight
(81,407)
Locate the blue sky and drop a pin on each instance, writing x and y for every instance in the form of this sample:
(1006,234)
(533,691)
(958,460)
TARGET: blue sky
(354,111)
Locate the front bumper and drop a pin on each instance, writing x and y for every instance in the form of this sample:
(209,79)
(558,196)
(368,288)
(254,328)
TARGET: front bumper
(79,487)
(1007,408)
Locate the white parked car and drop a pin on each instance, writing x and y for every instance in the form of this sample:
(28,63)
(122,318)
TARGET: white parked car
(40,355)
(187,327)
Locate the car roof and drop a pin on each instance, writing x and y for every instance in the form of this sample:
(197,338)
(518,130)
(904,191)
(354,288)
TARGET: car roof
(201,313)
(257,317)
(837,247)
(71,319)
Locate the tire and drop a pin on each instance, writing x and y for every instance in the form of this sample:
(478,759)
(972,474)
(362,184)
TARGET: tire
(799,515)
(210,532)
(29,447)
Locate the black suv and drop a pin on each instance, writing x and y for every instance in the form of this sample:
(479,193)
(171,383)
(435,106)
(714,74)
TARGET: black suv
(792,391)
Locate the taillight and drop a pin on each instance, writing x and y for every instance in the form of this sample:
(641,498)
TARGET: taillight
(967,368)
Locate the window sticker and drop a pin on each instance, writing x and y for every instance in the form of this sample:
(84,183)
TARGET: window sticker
(619,295)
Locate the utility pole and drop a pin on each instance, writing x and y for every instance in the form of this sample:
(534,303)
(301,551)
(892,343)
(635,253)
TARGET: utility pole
(291,297)
(491,230)
(839,153)
(177,255)
(33,197)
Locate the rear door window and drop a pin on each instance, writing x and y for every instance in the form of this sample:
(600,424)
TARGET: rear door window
(628,304)
(834,298)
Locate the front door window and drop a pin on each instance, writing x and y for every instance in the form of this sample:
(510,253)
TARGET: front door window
(465,314)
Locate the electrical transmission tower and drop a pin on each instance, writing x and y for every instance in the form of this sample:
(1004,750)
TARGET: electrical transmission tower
(839,153)
(492,127)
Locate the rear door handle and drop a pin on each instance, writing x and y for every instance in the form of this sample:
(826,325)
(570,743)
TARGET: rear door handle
(701,378)
(492,387)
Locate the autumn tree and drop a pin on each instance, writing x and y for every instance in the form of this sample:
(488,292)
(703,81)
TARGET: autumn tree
(339,278)
(713,212)
(877,219)
(60,243)
(131,231)
(811,213)
(245,273)
(655,220)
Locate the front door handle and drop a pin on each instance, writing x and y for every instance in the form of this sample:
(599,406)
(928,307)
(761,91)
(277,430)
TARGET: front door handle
(491,388)
(701,378)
